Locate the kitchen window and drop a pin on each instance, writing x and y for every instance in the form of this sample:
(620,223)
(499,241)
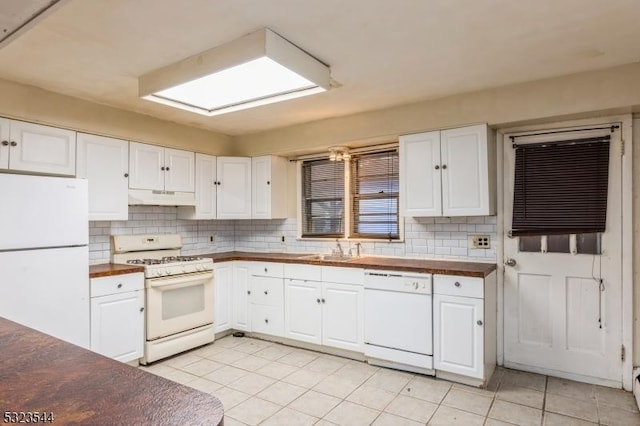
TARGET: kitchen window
(354,198)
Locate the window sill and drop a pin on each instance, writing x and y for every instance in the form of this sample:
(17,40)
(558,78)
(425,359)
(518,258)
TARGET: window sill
(351,240)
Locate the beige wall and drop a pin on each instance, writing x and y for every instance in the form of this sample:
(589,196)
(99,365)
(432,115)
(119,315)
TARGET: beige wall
(611,90)
(33,104)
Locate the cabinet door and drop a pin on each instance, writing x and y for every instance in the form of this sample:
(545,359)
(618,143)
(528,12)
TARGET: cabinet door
(179,170)
(420,175)
(42,149)
(117,323)
(205,188)
(342,316)
(261,187)
(465,174)
(240,290)
(104,162)
(303,311)
(146,164)
(223,300)
(234,188)
(4,143)
(458,335)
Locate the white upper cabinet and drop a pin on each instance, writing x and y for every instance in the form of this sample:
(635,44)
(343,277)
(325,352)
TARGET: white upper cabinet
(162,169)
(206,178)
(268,187)
(29,147)
(104,162)
(233,188)
(448,173)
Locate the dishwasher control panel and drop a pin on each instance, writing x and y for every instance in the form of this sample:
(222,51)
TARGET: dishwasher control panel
(401,282)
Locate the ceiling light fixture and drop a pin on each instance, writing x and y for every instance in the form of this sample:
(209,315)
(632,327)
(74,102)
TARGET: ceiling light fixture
(339,153)
(257,69)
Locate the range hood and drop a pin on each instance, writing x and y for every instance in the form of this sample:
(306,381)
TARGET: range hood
(147,197)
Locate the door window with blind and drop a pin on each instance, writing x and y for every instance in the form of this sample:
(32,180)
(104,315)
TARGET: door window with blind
(356,198)
(560,195)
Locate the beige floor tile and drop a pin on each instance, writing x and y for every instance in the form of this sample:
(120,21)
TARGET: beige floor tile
(251,346)
(514,413)
(252,383)
(427,388)
(230,397)
(491,422)
(181,360)
(616,398)
(553,419)
(281,393)
(228,356)
(180,376)
(524,379)
(204,385)
(274,352)
(356,372)
(386,419)
(520,395)
(298,358)
(253,411)
(305,378)
(350,414)
(289,417)
(468,401)
(157,369)
(571,389)
(202,367)
(323,422)
(495,380)
(586,410)
(229,342)
(208,350)
(390,380)
(324,365)
(315,404)
(226,375)
(445,416)
(335,385)
(372,397)
(473,389)
(411,408)
(614,416)
(250,363)
(276,370)
(230,421)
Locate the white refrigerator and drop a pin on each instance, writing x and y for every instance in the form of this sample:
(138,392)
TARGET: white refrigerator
(44,258)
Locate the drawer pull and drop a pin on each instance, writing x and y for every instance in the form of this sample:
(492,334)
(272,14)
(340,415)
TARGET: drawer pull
(248,291)
(266,320)
(479,322)
(457,284)
(265,270)
(120,285)
(142,309)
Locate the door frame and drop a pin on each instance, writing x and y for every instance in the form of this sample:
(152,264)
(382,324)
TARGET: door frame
(502,140)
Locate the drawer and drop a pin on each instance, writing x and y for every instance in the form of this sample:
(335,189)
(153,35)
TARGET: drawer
(335,274)
(267,291)
(266,269)
(458,286)
(303,272)
(267,320)
(103,286)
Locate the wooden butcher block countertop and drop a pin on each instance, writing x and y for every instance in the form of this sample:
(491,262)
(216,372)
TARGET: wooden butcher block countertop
(110,269)
(444,267)
(41,373)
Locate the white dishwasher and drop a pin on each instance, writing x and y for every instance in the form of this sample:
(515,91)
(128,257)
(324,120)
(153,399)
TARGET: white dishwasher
(398,320)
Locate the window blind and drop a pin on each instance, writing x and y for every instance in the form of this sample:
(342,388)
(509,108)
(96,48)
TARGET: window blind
(322,198)
(374,192)
(561,187)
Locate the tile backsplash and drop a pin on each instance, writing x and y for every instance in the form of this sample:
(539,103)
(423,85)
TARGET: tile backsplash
(441,238)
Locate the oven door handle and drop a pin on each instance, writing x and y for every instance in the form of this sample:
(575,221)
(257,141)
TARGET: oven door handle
(170,283)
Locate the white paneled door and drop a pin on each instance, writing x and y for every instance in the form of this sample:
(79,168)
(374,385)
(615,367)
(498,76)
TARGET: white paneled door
(559,317)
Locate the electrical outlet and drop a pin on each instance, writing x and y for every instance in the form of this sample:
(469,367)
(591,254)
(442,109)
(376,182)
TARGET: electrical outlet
(212,239)
(479,241)
(283,238)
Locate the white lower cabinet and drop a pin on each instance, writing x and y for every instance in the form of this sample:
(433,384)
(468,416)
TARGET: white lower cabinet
(267,298)
(464,325)
(303,310)
(117,316)
(223,296)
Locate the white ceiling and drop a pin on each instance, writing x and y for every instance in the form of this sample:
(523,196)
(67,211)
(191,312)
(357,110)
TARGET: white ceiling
(382,52)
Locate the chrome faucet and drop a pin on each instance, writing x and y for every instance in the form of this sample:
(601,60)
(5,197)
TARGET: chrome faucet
(338,250)
(358,246)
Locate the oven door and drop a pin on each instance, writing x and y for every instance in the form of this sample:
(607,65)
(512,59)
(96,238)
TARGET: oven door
(178,303)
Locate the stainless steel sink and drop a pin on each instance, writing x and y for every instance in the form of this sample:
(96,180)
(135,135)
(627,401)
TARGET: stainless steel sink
(329,257)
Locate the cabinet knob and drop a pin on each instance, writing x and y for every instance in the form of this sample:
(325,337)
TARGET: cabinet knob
(5,143)
(444,167)
(265,270)
(142,309)
(323,301)
(266,320)
(126,175)
(162,168)
(318,300)
(120,285)
(266,292)
(479,322)
(14,143)
(248,291)
(167,169)
(268,182)
(219,183)
(457,284)
(437,167)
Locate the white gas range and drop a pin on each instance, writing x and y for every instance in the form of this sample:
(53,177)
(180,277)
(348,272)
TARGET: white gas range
(179,293)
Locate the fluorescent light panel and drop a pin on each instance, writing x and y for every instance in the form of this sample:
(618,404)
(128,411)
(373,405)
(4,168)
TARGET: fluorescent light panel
(258,79)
